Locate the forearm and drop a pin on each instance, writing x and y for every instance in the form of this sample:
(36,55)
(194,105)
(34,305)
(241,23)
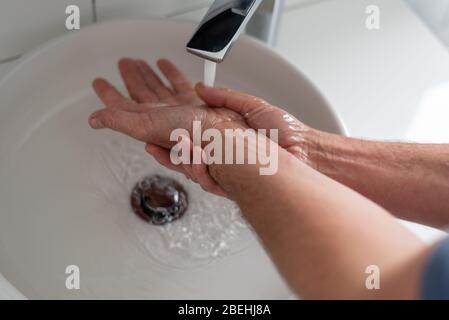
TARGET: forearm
(322,235)
(409,180)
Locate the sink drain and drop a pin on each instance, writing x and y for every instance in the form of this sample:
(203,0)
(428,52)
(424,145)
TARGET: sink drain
(159,200)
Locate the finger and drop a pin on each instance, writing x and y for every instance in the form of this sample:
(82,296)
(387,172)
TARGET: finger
(130,123)
(188,173)
(153,81)
(237,101)
(135,83)
(108,94)
(181,84)
(197,173)
(162,156)
(202,176)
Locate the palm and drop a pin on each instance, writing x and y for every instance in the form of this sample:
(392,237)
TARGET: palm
(154,110)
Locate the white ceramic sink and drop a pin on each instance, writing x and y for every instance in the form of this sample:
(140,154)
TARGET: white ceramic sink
(64,188)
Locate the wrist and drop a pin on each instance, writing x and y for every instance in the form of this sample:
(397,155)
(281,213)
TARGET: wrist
(327,153)
(312,148)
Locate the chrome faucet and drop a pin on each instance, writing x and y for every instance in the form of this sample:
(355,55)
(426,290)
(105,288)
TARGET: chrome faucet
(226,20)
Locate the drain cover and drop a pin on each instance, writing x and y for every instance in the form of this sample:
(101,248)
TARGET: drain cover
(159,200)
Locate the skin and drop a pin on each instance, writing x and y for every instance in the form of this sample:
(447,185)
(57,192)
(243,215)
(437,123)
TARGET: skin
(321,234)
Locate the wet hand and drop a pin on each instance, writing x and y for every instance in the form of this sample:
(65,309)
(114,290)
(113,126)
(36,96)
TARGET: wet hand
(293,135)
(259,114)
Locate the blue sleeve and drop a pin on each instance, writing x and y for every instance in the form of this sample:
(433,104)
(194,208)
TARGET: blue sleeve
(435,281)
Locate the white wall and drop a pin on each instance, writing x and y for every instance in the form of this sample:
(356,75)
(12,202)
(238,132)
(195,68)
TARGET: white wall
(25,24)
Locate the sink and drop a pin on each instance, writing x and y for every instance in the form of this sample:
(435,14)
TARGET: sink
(64,188)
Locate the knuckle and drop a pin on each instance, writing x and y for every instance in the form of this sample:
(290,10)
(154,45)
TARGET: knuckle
(258,102)
(109,118)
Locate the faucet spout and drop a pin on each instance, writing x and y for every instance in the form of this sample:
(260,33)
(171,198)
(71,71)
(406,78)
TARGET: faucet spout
(224,23)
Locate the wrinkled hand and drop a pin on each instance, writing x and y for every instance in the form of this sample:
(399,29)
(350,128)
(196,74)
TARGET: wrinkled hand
(259,114)
(155,110)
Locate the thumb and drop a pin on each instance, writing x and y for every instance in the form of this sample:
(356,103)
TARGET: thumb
(227,98)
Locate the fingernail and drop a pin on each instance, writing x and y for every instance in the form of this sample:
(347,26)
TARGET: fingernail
(95,123)
(149,148)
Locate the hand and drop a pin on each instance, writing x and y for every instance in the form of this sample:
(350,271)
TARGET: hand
(293,135)
(155,110)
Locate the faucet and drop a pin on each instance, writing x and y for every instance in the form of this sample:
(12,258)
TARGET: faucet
(226,20)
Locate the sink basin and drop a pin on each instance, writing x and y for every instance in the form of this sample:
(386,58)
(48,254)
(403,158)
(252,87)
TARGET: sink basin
(64,188)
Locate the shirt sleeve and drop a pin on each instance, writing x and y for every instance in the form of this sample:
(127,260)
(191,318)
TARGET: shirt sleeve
(435,281)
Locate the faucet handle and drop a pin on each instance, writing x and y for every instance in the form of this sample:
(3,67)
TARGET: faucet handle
(242,7)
